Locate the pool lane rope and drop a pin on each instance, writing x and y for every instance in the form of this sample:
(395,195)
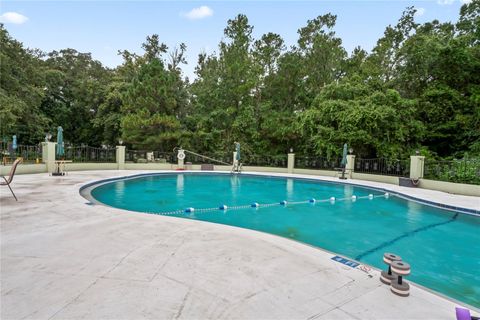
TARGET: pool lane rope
(283,203)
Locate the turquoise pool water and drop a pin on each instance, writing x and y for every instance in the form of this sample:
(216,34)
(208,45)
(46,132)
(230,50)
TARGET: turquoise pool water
(443,247)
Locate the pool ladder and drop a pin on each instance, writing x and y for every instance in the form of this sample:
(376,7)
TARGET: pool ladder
(236,168)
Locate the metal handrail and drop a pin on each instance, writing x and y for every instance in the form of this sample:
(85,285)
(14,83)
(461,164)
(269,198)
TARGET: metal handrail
(205,157)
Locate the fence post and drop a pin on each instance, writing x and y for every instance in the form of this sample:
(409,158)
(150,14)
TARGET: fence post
(290,162)
(44,152)
(180,158)
(234,159)
(120,157)
(350,166)
(48,155)
(417,164)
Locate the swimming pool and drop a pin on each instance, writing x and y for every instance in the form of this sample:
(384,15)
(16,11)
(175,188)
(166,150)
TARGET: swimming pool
(443,247)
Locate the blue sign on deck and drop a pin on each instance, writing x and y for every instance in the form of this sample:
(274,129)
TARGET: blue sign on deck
(346,261)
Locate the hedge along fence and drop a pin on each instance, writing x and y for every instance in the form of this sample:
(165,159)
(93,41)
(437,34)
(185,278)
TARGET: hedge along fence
(459,171)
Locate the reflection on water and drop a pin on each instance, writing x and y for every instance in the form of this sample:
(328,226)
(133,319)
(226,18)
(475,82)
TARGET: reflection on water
(119,189)
(235,185)
(289,188)
(348,192)
(413,211)
(180,184)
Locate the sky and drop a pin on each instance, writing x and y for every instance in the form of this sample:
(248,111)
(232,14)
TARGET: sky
(105,26)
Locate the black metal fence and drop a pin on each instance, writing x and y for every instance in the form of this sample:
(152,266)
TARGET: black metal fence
(30,154)
(264,161)
(382,166)
(142,156)
(460,171)
(319,163)
(87,154)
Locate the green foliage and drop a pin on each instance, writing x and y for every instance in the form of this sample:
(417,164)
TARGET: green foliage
(460,171)
(153,101)
(371,121)
(21,91)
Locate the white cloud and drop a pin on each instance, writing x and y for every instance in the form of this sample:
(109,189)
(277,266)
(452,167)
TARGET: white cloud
(420,12)
(445,2)
(13,17)
(465,1)
(199,13)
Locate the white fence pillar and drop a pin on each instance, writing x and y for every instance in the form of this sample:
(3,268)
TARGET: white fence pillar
(120,157)
(48,155)
(416,167)
(350,166)
(234,159)
(290,162)
(181,158)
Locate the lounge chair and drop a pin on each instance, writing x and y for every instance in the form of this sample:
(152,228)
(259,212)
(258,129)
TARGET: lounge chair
(8,181)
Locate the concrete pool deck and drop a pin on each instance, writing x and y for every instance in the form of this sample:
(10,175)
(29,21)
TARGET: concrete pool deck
(62,258)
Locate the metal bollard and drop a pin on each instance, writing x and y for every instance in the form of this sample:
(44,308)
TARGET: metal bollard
(400,287)
(386,276)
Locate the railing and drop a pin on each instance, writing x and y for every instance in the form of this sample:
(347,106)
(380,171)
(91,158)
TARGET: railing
(460,171)
(389,167)
(88,154)
(207,158)
(319,163)
(30,154)
(264,161)
(143,156)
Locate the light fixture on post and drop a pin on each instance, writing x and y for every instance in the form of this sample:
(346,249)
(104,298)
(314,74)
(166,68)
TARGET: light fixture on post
(291,150)
(48,136)
(417,152)
(120,141)
(350,150)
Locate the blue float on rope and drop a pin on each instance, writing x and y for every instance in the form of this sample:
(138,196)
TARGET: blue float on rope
(254,205)
(312,200)
(188,210)
(283,203)
(223,207)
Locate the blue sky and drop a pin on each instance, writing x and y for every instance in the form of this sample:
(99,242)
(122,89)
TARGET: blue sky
(103,27)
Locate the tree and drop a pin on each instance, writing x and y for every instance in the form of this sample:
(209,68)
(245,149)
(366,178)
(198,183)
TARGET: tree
(322,53)
(153,102)
(21,90)
(75,88)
